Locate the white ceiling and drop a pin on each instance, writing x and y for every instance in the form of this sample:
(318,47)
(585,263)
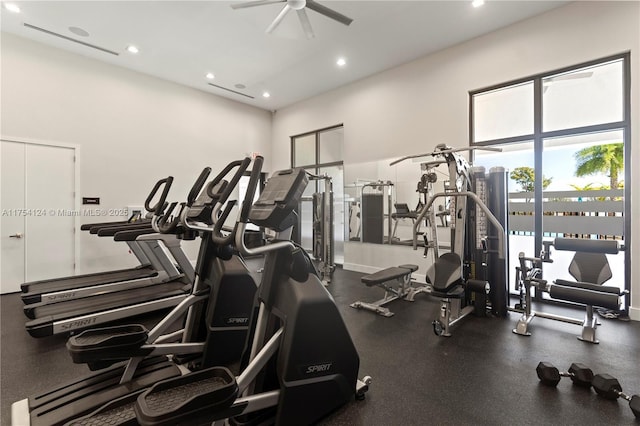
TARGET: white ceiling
(181,41)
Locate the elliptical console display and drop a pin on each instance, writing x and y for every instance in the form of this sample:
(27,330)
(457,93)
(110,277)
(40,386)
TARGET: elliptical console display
(281,196)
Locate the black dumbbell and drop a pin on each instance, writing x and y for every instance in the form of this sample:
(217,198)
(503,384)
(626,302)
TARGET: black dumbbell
(580,374)
(608,387)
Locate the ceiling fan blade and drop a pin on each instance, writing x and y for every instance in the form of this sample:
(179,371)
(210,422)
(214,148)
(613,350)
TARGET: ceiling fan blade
(306,24)
(572,76)
(278,19)
(255,3)
(329,13)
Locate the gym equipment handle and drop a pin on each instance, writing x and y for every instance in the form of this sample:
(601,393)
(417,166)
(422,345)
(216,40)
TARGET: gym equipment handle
(216,235)
(197,186)
(242,167)
(251,189)
(219,177)
(171,227)
(167,184)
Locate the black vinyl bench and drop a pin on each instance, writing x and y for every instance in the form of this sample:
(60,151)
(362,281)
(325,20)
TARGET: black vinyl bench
(387,278)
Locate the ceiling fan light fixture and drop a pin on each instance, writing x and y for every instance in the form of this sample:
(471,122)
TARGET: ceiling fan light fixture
(12,7)
(297,4)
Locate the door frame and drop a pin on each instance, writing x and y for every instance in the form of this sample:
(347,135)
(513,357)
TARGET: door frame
(76,190)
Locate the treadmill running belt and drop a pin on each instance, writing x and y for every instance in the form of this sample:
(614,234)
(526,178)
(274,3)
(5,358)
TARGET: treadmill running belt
(104,302)
(82,281)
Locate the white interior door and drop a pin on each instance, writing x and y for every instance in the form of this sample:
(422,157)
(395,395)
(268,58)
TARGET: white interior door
(13,224)
(38,203)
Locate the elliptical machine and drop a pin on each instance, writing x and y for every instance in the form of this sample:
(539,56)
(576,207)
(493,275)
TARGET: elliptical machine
(300,363)
(217,319)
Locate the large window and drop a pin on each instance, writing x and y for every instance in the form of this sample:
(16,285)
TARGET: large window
(565,137)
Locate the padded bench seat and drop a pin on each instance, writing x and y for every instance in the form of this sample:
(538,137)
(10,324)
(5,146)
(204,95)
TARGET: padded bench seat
(398,276)
(388,274)
(456,292)
(589,286)
(585,297)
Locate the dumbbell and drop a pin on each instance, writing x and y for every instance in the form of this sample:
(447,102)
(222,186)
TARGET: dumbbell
(608,387)
(580,374)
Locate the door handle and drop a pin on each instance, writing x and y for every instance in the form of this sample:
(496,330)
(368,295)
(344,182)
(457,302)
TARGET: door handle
(16,235)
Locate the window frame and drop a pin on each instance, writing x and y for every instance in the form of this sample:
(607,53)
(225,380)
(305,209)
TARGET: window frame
(538,136)
(315,165)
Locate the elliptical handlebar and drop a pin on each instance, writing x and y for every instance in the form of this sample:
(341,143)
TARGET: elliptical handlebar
(218,179)
(163,225)
(160,205)
(194,194)
(197,186)
(242,165)
(251,188)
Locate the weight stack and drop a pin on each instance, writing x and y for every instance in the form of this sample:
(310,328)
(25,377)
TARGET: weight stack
(498,203)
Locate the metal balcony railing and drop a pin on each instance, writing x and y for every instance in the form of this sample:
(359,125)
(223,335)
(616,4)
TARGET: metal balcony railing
(578,214)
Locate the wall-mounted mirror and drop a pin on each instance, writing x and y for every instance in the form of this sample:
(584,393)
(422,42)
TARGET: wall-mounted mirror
(382,202)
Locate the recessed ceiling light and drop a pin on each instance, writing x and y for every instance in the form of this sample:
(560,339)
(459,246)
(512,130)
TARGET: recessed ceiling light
(266,94)
(477,3)
(132,49)
(11,7)
(341,62)
(79,31)
(210,76)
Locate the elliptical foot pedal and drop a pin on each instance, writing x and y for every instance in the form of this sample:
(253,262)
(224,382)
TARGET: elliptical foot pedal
(187,397)
(118,412)
(107,343)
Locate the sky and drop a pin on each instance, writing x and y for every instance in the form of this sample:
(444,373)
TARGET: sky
(558,162)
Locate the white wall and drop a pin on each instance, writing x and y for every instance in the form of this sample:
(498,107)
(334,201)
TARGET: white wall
(132,129)
(411,108)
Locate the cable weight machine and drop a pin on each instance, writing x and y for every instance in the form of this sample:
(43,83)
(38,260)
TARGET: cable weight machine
(476,266)
(323,239)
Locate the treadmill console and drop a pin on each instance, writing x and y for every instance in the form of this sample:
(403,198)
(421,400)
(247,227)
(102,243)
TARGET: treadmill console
(275,207)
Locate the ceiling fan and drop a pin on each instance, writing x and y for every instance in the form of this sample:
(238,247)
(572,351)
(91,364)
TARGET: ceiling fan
(299,6)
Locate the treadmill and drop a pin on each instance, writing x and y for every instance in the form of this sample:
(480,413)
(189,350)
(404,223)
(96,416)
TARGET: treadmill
(155,267)
(152,245)
(77,314)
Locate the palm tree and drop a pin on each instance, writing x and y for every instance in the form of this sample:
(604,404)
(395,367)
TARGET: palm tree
(588,187)
(607,158)
(526,176)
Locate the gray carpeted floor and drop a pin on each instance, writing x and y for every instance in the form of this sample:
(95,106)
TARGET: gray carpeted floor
(483,374)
